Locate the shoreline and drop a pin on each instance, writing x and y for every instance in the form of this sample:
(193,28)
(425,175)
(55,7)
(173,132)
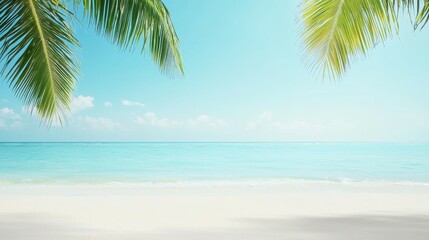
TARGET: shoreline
(255,182)
(226,187)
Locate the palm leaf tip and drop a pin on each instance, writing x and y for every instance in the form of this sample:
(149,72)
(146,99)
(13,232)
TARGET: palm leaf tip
(131,23)
(335,32)
(422,16)
(40,64)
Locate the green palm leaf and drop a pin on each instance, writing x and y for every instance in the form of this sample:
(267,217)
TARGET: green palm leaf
(36,44)
(422,9)
(39,63)
(335,32)
(129,23)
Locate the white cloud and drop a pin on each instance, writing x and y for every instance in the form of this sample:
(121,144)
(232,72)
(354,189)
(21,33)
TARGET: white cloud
(108,104)
(204,120)
(9,119)
(265,120)
(99,123)
(151,119)
(266,123)
(4,125)
(77,104)
(81,103)
(9,113)
(129,103)
(267,115)
(16,125)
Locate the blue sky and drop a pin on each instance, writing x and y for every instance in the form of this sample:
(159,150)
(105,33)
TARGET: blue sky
(244,81)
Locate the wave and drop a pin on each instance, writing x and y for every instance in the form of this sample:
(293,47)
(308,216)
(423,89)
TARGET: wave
(215,183)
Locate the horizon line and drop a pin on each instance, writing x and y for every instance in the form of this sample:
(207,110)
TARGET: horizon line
(147,142)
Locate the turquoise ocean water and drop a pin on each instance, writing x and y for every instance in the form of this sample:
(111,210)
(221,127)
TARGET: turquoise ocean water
(46,163)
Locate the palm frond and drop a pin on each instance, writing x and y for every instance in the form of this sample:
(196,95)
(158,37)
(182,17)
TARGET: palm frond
(335,32)
(39,63)
(421,8)
(129,23)
(418,10)
(423,16)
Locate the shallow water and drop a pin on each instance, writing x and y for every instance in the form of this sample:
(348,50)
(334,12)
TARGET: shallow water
(213,162)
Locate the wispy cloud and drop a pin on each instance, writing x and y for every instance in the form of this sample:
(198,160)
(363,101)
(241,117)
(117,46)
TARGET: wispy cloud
(81,103)
(264,120)
(77,104)
(9,119)
(108,104)
(9,113)
(99,123)
(129,103)
(266,123)
(151,119)
(204,120)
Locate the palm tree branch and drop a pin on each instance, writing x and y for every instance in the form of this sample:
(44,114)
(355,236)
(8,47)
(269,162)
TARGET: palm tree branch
(423,15)
(43,43)
(335,32)
(38,59)
(130,23)
(330,37)
(171,34)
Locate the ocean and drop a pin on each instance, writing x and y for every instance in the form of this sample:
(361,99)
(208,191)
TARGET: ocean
(211,163)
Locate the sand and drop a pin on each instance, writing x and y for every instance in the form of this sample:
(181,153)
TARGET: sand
(285,211)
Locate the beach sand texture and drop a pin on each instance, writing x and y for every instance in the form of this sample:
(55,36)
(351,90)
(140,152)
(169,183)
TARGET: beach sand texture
(291,211)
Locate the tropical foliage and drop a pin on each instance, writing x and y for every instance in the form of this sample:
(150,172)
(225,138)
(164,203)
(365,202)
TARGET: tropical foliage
(336,32)
(38,44)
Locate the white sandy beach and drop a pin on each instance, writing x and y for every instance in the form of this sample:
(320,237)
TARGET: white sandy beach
(285,211)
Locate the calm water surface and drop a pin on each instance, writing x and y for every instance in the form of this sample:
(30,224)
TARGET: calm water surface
(175,162)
